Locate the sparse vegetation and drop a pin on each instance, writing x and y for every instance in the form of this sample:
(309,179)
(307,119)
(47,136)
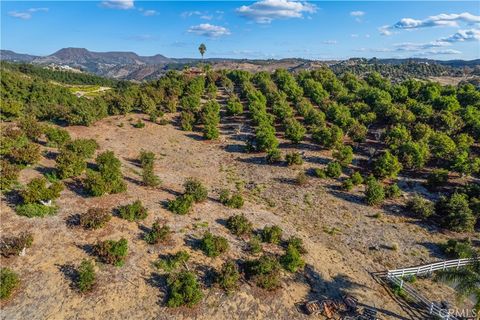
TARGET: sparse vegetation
(227,277)
(9,281)
(13,246)
(195,189)
(265,271)
(272,234)
(212,245)
(234,200)
(239,225)
(159,233)
(95,218)
(112,252)
(86,276)
(183,290)
(133,212)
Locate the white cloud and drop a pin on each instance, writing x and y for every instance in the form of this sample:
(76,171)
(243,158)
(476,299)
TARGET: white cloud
(26,15)
(149,13)
(265,11)
(118,4)
(354,35)
(441,20)
(357,13)
(187,14)
(209,30)
(330,42)
(464,35)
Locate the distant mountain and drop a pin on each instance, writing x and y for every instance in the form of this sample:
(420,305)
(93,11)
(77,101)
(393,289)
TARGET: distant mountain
(131,66)
(16,57)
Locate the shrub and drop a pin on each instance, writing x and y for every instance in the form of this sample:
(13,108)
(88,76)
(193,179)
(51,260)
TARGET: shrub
(212,245)
(95,218)
(173,262)
(239,225)
(344,155)
(294,131)
(8,175)
(274,156)
(301,179)
(347,184)
(134,211)
(149,178)
(183,289)
(420,207)
(233,201)
(374,193)
(437,178)
(146,158)
(69,164)
(86,276)
(211,119)
(272,234)
(328,137)
(234,106)
(387,166)
(13,246)
(139,124)
(158,234)
(265,271)
(31,210)
(228,276)
(320,173)
(108,179)
(56,137)
(333,169)
(292,260)
(84,148)
(255,245)
(458,249)
(32,128)
(294,158)
(9,281)
(455,213)
(356,178)
(37,191)
(194,188)
(297,243)
(112,252)
(26,155)
(392,191)
(181,205)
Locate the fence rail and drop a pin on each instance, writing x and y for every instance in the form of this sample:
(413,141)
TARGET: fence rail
(396,277)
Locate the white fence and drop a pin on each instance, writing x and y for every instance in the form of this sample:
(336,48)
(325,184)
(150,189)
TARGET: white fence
(396,277)
(429,268)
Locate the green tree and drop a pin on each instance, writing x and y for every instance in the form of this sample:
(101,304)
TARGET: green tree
(202,49)
(387,166)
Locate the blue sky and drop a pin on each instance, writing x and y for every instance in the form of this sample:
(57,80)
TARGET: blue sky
(242,29)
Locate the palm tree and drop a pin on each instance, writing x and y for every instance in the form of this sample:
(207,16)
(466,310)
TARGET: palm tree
(466,280)
(202,48)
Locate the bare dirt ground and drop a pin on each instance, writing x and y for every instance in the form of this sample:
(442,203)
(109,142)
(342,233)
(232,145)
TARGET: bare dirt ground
(345,239)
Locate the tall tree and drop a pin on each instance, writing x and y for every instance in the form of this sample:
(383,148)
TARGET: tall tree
(202,48)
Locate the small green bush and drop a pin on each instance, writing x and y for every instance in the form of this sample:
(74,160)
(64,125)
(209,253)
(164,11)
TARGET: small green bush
(297,243)
(56,137)
(333,170)
(292,259)
(239,225)
(133,212)
(173,262)
(160,233)
(234,106)
(37,190)
(356,178)
(272,234)
(195,188)
(234,200)
(393,191)
(420,207)
(146,158)
(347,184)
(273,156)
(13,246)
(212,245)
(32,128)
(139,124)
(149,178)
(320,173)
(344,155)
(458,249)
(84,148)
(8,175)
(455,213)
(95,218)
(374,193)
(183,290)
(255,245)
(228,276)
(112,252)
(294,158)
(69,164)
(9,281)
(86,276)
(265,271)
(181,204)
(108,178)
(26,155)
(31,210)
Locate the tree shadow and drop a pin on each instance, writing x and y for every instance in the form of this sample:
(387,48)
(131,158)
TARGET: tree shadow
(347,196)
(76,187)
(234,148)
(134,181)
(434,249)
(171,191)
(70,273)
(134,162)
(73,220)
(289,181)
(193,242)
(316,159)
(159,281)
(196,137)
